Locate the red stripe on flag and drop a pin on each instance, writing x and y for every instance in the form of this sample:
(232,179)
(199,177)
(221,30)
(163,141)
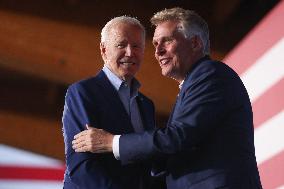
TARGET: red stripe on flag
(269,104)
(267,33)
(272,172)
(34,173)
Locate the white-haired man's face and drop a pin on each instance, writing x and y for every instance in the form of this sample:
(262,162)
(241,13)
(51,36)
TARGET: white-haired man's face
(175,53)
(123,50)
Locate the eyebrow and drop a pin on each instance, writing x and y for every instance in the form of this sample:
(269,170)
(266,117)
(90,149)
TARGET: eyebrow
(165,38)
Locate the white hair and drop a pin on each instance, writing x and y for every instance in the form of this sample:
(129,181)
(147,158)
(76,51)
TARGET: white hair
(120,19)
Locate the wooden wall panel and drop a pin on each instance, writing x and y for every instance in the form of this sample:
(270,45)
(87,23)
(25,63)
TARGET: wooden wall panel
(54,50)
(32,133)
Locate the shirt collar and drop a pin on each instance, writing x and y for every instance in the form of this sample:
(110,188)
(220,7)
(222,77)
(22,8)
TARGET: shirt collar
(180,85)
(117,82)
(114,80)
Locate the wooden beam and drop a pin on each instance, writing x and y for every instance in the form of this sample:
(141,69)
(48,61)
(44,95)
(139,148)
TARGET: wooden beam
(54,50)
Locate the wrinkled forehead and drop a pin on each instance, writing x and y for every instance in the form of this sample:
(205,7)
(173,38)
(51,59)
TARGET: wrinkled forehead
(165,29)
(126,31)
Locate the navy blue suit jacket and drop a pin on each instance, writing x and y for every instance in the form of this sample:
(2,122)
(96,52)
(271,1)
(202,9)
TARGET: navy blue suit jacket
(96,102)
(208,142)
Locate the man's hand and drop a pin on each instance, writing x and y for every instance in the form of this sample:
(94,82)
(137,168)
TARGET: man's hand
(93,140)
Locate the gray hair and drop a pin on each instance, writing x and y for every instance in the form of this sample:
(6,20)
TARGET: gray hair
(190,24)
(121,19)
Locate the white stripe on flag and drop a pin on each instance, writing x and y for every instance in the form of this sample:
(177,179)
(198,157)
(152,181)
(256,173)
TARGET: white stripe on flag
(268,138)
(17,157)
(30,184)
(281,187)
(266,71)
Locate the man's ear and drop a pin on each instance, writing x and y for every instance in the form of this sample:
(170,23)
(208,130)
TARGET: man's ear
(196,43)
(103,51)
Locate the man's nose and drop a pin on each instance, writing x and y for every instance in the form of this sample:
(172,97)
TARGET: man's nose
(129,51)
(159,50)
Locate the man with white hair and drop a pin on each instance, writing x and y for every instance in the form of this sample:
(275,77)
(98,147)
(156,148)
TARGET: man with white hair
(208,142)
(110,101)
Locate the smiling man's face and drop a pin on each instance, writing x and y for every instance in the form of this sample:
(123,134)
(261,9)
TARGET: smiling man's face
(174,52)
(124,50)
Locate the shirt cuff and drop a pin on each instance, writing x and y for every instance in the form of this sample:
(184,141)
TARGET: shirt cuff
(115,146)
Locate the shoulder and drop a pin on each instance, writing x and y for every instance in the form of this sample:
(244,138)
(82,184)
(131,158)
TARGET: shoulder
(85,87)
(210,74)
(84,83)
(87,83)
(209,65)
(213,66)
(210,69)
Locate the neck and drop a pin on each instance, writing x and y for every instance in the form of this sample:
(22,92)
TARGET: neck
(126,78)
(180,80)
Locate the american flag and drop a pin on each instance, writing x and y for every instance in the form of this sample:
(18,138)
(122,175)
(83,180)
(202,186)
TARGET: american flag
(27,170)
(259,60)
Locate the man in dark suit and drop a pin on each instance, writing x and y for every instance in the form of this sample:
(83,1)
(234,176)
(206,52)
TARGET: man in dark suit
(110,101)
(208,142)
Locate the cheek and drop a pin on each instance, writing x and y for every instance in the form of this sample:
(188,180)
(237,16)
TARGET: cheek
(115,53)
(172,51)
(179,54)
(156,56)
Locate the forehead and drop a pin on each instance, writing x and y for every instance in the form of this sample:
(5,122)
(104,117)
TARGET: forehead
(125,31)
(165,29)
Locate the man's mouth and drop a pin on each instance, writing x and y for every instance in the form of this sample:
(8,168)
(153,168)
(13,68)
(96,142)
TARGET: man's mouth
(127,63)
(164,61)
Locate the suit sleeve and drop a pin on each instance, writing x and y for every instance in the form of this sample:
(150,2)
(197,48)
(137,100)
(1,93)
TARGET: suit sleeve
(84,169)
(204,103)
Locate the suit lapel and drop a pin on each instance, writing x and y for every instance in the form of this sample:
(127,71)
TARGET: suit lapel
(146,112)
(114,100)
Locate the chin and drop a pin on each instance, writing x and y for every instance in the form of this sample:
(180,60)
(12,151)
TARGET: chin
(166,73)
(129,75)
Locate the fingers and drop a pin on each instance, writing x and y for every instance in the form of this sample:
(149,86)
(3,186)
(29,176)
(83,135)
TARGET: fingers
(79,142)
(86,140)
(81,134)
(87,145)
(92,140)
(80,147)
(83,144)
(84,132)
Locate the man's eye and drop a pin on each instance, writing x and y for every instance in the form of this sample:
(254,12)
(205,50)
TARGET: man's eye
(120,46)
(167,41)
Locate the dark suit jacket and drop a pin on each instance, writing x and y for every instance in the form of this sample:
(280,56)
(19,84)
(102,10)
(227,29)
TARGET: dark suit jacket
(208,142)
(95,101)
